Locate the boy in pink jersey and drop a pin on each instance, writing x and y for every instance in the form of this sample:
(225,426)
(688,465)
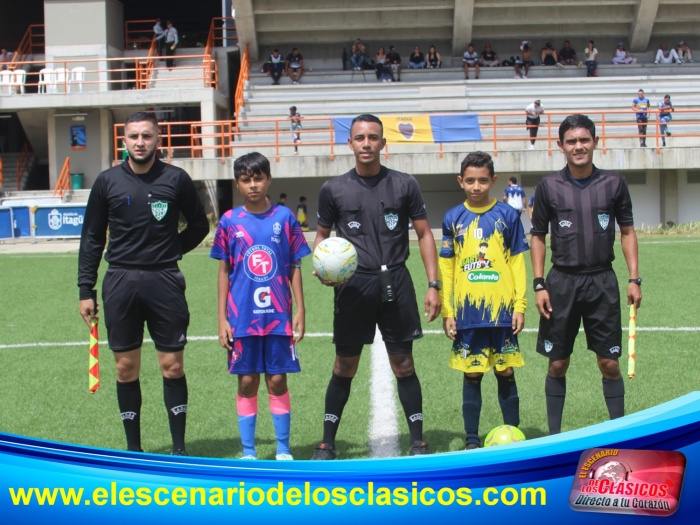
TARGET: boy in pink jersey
(260,247)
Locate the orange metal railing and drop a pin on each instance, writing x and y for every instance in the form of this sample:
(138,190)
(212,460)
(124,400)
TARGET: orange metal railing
(138,34)
(32,42)
(22,166)
(223,138)
(63,182)
(244,73)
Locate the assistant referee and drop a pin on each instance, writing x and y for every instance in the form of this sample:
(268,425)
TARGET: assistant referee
(371,206)
(581,204)
(140,201)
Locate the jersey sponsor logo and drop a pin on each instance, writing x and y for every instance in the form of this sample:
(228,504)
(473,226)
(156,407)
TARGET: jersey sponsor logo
(548,346)
(262,297)
(240,234)
(260,263)
(331,417)
(159,209)
(128,415)
(182,338)
(391,220)
(180,409)
(277,228)
(417,332)
(55,220)
(354,224)
(603,220)
(565,224)
(483,276)
(415,417)
(615,350)
(276,239)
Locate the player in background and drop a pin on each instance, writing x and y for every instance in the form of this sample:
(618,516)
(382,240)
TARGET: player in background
(303,214)
(482,265)
(581,285)
(514,195)
(260,248)
(140,202)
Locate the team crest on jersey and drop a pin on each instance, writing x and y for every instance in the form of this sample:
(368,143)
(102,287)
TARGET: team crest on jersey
(159,209)
(603,220)
(391,219)
(260,263)
(55,220)
(500,226)
(277,228)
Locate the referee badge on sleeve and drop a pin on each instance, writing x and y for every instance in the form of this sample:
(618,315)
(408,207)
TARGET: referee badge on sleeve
(603,220)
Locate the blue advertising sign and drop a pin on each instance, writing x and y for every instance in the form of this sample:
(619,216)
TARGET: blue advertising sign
(7,225)
(22,218)
(59,221)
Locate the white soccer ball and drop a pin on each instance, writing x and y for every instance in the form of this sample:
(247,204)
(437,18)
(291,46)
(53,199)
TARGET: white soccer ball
(335,260)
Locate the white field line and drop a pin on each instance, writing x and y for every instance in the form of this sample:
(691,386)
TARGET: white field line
(325,334)
(383,424)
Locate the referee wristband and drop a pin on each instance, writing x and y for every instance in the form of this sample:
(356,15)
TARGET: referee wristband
(538,284)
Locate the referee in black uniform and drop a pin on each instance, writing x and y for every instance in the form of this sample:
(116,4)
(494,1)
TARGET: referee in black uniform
(370,206)
(581,204)
(140,201)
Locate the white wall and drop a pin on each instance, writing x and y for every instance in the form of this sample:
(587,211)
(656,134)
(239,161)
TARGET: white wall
(688,198)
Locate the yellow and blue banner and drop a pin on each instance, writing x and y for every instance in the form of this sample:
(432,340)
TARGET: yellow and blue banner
(418,129)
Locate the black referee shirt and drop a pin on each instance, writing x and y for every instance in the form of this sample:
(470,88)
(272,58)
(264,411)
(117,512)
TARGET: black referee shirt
(142,212)
(372,213)
(582,219)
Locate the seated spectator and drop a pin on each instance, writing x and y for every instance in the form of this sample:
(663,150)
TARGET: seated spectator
(434,58)
(5,58)
(621,55)
(548,55)
(489,58)
(357,54)
(393,59)
(567,56)
(417,60)
(591,60)
(470,59)
(381,67)
(275,66)
(664,56)
(295,65)
(684,52)
(525,62)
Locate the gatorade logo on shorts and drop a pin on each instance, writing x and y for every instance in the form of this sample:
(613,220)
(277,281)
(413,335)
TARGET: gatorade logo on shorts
(260,263)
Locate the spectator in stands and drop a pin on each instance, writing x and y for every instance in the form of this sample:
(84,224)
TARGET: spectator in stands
(532,120)
(526,61)
(470,59)
(640,106)
(684,52)
(489,58)
(434,58)
(158,31)
(665,109)
(621,55)
(591,60)
(283,200)
(275,66)
(357,54)
(394,61)
(171,42)
(567,56)
(381,67)
(514,196)
(5,58)
(548,55)
(417,59)
(295,127)
(295,65)
(664,56)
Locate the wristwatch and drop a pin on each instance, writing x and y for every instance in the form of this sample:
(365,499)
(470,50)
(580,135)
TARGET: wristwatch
(636,281)
(435,284)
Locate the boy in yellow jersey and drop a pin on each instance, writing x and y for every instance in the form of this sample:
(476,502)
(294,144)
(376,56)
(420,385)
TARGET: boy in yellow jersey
(483,297)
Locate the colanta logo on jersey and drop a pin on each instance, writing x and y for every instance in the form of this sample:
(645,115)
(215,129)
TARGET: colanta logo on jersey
(263,300)
(260,263)
(478,267)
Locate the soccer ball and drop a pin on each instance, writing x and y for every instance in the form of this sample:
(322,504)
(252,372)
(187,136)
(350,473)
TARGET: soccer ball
(502,435)
(335,260)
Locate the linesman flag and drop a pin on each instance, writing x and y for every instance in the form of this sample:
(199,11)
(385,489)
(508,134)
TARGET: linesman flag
(632,344)
(94,358)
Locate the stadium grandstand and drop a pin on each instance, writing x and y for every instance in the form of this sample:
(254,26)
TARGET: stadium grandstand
(78,68)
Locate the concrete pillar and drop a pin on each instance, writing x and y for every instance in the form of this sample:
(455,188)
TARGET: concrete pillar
(462,29)
(245,27)
(106,139)
(642,25)
(208,111)
(54,168)
(669,196)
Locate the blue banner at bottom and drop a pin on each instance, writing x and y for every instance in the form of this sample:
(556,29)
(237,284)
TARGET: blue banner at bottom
(526,482)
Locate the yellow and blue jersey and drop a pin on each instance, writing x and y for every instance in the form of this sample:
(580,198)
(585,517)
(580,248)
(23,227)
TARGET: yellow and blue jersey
(482,264)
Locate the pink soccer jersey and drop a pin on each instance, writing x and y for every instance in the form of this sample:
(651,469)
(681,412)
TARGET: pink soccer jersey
(260,249)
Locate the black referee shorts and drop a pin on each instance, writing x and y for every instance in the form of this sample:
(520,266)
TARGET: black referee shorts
(359,309)
(132,297)
(595,298)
